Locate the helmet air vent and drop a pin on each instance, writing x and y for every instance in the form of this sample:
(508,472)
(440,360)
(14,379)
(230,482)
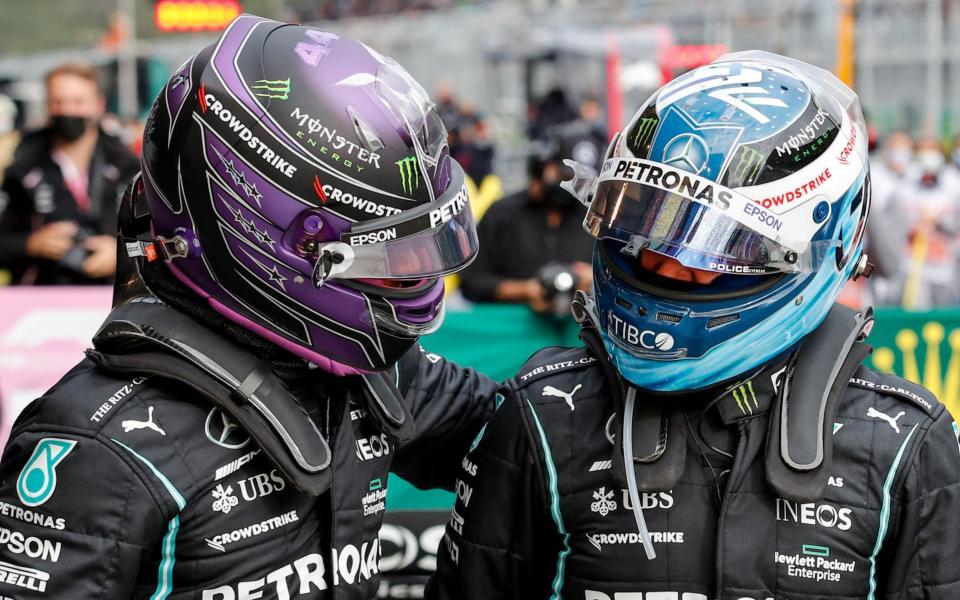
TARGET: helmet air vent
(669,317)
(725,319)
(365,133)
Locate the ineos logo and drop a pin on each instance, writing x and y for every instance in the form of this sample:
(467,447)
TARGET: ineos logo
(223,431)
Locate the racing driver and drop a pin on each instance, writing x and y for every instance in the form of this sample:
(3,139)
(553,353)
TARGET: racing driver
(717,437)
(229,435)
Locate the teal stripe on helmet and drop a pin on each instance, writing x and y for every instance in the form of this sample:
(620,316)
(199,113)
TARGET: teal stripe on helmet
(885,515)
(554,508)
(169,543)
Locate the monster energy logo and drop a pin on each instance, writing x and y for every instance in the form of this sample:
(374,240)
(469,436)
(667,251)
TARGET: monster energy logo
(272,88)
(748,166)
(409,174)
(743,401)
(644,130)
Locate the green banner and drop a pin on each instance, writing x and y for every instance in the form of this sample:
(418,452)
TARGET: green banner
(496,339)
(923,347)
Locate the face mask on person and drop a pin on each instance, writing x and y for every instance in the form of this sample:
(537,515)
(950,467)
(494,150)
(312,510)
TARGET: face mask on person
(69,128)
(899,157)
(931,161)
(557,198)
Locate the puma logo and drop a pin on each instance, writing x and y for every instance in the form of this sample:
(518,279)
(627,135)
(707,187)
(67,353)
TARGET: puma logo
(552,391)
(876,414)
(130,425)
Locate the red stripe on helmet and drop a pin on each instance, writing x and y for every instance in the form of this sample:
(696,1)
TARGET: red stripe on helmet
(318,188)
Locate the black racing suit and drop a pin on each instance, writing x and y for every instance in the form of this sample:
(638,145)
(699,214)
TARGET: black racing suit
(539,515)
(115,487)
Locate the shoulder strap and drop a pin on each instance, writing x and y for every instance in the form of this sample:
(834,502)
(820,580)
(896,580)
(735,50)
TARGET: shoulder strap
(386,406)
(150,337)
(799,439)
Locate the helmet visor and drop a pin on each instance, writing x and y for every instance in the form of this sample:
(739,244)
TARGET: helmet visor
(701,223)
(433,240)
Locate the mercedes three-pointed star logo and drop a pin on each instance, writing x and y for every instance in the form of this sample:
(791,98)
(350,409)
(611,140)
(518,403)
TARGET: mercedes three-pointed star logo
(223,431)
(688,152)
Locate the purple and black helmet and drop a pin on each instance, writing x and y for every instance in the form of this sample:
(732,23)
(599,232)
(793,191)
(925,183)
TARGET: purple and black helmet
(301,183)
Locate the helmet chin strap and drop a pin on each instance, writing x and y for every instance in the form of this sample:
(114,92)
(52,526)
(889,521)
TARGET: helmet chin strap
(632,475)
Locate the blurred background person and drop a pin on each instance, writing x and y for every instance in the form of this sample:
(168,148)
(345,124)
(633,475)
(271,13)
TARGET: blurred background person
(63,187)
(9,135)
(583,139)
(930,209)
(886,230)
(552,109)
(533,248)
(955,154)
(471,146)
(889,172)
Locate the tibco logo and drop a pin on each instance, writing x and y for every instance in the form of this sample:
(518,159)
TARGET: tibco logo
(631,334)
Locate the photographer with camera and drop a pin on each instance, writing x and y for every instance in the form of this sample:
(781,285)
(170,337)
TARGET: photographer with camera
(532,247)
(58,210)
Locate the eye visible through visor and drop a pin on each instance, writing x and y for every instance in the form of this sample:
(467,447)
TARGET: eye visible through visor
(430,241)
(700,223)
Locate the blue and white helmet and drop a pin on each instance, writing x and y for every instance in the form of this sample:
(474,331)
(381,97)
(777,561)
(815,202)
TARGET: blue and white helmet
(754,167)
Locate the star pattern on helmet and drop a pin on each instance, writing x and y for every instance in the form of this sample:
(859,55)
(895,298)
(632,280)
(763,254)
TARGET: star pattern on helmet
(248,226)
(276,277)
(248,187)
(273,273)
(264,237)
